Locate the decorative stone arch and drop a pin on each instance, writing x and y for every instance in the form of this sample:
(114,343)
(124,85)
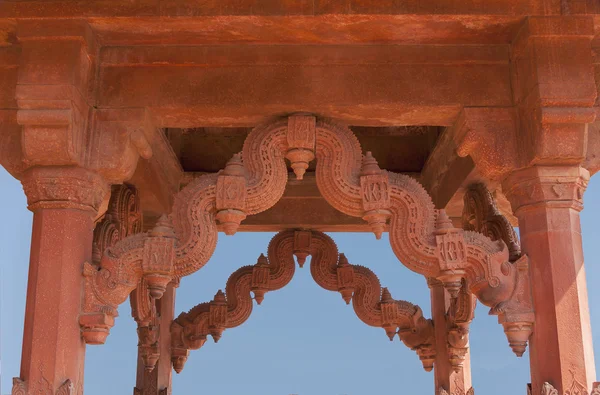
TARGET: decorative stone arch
(422,237)
(372,304)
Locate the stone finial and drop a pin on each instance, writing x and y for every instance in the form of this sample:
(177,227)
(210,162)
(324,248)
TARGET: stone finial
(217,315)
(260,278)
(301,138)
(230,199)
(443,224)
(302,243)
(345,277)
(375,195)
(369,165)
(163,228)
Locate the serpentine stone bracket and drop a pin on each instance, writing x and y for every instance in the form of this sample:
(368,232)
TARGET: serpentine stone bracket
(422,238)
(332,271)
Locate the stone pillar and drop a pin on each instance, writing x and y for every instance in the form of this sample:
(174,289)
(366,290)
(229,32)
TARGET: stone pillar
(158,381)
(445,376)
(64,201)
(547,201)
(65,154)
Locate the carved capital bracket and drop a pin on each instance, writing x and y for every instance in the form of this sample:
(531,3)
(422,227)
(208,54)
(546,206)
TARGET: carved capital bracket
(148,257)
(21,387)
(481,214)
(64,188)
(122,218)
(549,186)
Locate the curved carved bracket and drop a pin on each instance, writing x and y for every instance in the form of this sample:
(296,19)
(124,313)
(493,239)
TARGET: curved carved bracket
(422,238)
(481,214)
(372,304)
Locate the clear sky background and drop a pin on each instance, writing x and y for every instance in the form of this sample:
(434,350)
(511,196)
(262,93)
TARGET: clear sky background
(301,340)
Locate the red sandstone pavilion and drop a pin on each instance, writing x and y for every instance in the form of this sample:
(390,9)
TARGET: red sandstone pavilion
(141,129)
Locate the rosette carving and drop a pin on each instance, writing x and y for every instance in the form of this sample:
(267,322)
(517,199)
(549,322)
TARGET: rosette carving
(332,271)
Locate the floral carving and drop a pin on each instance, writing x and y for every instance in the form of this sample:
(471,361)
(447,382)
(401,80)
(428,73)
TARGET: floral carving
(63,187)
(481,214)
(332,271)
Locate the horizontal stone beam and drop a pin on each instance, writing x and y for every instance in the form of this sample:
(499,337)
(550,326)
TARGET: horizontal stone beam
(148,8)
(365,86)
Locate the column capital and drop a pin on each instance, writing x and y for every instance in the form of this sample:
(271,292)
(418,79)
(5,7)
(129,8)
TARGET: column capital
(547,186)
(58,187)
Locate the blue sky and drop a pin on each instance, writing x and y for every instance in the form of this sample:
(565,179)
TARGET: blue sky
(301,340)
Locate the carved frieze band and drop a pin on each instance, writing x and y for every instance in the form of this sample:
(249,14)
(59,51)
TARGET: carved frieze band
(332,271)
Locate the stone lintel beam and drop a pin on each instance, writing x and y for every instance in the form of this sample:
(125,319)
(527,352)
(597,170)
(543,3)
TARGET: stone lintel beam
(304,8)
(477,76)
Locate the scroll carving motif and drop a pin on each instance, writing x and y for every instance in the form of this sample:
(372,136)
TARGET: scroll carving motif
(149,256)
(122,218)
(481,214)
(332,271)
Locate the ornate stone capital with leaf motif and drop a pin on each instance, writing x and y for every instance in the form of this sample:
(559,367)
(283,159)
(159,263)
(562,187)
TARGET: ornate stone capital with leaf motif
(64,188)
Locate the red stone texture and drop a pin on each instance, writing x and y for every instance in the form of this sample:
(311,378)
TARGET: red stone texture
(87,87)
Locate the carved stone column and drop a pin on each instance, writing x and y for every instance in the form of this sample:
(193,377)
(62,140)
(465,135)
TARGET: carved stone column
(64,201)
(547,202)
(447,377)
(158,380)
